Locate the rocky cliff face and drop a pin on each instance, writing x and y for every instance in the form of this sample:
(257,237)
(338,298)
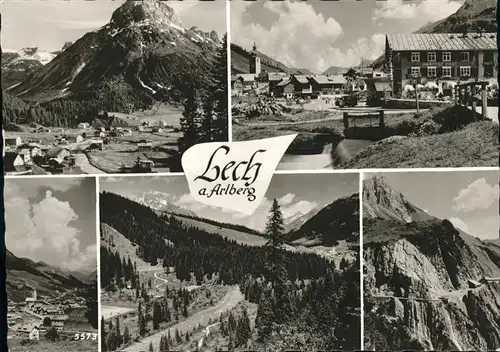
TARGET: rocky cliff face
(382,201)
(426,283)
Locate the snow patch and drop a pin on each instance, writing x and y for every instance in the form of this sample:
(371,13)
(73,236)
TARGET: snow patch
(15,85)
(79,69)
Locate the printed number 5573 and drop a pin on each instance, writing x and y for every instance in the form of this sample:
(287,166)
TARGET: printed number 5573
(86,336)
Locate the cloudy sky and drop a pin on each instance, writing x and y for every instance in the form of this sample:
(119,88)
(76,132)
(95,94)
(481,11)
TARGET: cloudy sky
(318,34)
(63,21)
(468,199)
(294,197)
(52,220)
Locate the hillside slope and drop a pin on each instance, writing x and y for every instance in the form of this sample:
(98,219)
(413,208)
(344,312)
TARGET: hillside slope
(417,282)
(240,63)
(473,14)
(23,275)
(338,221)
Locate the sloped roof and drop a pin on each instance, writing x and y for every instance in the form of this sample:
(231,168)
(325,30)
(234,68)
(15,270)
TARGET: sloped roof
(8,161)
(321,79)
(54,152)
(442,41)
(284,83)
(301,79)
(337,79)
(247,77)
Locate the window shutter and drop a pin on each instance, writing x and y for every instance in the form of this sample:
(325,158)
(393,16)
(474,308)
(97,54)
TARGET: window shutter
(473,71)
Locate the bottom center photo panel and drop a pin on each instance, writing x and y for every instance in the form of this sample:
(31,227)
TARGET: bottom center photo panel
(179,275)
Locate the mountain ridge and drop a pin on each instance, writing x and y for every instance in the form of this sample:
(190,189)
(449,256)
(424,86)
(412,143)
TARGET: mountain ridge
(409,256)
(141,56)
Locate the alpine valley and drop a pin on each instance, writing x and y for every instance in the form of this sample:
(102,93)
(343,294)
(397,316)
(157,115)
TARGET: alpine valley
(143,56)
(428,285)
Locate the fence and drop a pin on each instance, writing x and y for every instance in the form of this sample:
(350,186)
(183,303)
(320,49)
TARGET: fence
(467,95)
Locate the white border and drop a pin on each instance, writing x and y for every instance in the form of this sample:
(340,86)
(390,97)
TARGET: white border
(276,172)
(98,236)
(229,99)
(361,264)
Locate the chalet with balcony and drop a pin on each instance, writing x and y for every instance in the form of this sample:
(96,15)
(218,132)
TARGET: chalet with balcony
(443,58)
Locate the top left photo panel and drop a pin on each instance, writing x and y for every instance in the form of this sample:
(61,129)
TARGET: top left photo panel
(108,87)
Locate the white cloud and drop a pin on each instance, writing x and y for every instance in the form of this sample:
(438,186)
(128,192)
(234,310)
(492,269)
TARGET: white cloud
(458,223)
(426,11)
(300,37)
(478,195)
(43,231)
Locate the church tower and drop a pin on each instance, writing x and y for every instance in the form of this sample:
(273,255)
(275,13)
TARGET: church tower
(255,61)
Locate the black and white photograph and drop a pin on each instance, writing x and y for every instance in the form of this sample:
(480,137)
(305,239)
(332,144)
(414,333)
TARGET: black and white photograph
(51,264)
(368,84)
(431,249)
(100,87)
(180,275)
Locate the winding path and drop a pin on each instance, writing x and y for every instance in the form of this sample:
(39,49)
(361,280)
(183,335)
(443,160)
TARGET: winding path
(230,300)
(82,161)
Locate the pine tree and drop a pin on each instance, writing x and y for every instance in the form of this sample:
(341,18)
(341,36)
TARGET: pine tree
(126,335)
(274,226)
(151,349)
(190,122)
(220,93)
(157,316)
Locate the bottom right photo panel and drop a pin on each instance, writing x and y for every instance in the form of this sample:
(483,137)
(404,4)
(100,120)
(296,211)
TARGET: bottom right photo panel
(431,261)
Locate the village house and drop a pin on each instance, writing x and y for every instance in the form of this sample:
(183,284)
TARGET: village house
(13,164)
(236,85)
(284,89)
(302,86)
(443,58)
(75,138)
(58,154)
(144,147)
(57,321)
(13,319)
(248,80)
(31,332)
(13,141)
(144,164)
(25,153)
(83,125)
(273,78)
(327,85)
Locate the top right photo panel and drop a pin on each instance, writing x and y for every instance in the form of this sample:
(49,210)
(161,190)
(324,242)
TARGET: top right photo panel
(368,84)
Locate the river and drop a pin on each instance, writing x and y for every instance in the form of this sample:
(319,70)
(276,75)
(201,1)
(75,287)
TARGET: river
(323,160)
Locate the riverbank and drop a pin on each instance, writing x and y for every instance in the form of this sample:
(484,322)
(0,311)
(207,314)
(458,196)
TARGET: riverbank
(324,143)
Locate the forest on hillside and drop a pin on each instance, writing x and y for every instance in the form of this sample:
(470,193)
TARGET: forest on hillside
(301,297)
(204,97)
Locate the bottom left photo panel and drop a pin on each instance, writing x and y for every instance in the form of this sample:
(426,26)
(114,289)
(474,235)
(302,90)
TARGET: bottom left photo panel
(51,262)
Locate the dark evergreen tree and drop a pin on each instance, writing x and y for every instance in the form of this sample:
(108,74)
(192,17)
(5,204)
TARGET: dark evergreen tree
(274,226)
